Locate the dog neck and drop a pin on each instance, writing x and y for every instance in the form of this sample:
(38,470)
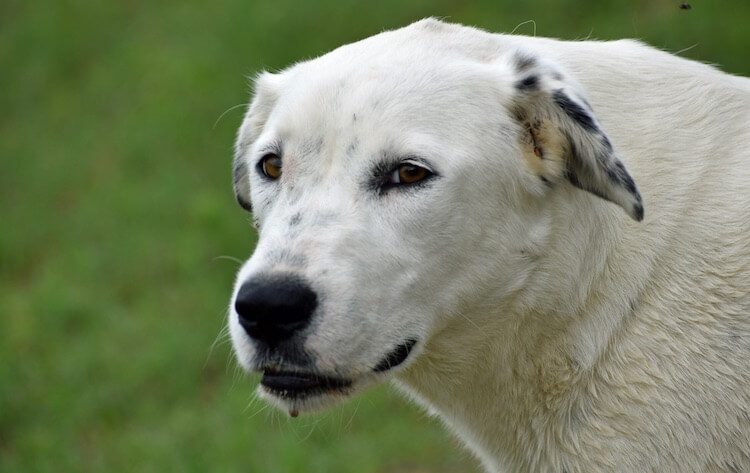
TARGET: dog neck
(508,378)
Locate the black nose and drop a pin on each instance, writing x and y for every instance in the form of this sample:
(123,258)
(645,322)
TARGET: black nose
(272,309)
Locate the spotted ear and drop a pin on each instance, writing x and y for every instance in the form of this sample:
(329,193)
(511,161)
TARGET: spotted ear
(562,139)
(266,87)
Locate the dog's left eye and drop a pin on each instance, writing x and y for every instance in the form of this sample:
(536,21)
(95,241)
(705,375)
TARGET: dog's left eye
(408,173)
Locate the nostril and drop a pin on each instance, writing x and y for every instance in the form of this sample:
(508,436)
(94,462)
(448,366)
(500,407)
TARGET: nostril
(271,309)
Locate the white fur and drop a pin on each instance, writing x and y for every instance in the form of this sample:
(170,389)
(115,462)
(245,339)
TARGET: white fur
(555,332)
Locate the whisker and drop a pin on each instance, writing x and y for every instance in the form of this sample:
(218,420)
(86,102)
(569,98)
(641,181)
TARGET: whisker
(227,111)
(227,257)
(222,336)
(525,23)
(685,49)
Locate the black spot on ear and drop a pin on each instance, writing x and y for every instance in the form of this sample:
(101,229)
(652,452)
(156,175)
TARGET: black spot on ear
(244,204)
(607,144)
(630,185)
(523,61)
(528,84)
(571,175)
(638,210)
(621,176)
(614,176)
(574,111)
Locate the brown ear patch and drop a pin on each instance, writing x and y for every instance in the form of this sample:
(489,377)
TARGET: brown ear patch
(544,148)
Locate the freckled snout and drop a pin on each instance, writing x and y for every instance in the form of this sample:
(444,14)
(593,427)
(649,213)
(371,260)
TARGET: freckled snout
(273,308)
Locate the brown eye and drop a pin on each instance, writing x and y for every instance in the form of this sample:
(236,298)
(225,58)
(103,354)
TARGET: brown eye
(270,164)
(408,173)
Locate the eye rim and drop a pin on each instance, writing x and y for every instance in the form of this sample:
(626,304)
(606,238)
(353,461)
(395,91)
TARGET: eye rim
(399,178)
(392,179)
(263,167)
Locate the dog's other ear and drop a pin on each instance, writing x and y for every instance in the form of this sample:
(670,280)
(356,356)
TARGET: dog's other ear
(266,89)
(562,138)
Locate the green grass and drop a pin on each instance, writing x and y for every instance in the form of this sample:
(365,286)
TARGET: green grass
(117,209)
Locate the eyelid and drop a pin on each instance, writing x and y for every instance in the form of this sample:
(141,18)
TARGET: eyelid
(414,161)
(272,147)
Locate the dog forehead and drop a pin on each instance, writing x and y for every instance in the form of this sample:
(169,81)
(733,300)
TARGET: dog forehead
(424,64)
(399,92)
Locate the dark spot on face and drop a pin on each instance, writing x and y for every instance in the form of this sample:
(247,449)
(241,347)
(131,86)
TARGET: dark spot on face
(545,181)
(354,118)
(312,147)
(293,195)
(574,111)
(528,84)
(557,76)
(295,220)
(284,256)
(523,61)
(353,146)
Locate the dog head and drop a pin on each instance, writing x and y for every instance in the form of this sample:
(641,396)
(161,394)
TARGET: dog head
(397,183)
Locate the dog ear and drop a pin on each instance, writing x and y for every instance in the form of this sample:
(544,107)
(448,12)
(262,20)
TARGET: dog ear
(266,87)
(562,137)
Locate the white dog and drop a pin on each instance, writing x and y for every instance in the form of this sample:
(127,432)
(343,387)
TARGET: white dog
(458,211)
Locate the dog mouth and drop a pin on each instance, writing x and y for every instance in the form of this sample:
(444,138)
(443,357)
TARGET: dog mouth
(299,385)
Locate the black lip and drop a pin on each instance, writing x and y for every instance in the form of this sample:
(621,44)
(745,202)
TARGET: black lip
(290,384)
(396,357)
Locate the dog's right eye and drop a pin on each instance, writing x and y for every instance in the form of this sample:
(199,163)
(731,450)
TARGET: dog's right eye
(270,166)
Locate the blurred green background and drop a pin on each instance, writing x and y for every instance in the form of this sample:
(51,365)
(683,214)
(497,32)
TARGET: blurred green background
(119,235)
